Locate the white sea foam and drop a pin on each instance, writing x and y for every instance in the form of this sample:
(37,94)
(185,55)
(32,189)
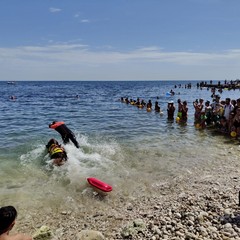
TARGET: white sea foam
(102,159)
(33,155)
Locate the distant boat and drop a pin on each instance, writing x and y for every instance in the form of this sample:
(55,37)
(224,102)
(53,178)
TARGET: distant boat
(12,82)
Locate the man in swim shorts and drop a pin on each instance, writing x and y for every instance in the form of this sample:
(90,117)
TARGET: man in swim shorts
(65,132)
(8,217)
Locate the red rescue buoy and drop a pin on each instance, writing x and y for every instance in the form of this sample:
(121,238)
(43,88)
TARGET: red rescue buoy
(99,184)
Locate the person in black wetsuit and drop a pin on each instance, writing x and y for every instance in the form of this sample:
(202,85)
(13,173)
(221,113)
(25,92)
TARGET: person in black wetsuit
(65,132)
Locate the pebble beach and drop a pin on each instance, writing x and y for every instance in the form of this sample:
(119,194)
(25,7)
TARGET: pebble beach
(202,204)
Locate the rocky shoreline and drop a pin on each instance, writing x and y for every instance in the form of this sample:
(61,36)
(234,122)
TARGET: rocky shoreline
(203,204)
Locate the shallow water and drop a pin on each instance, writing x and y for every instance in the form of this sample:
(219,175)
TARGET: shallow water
(129,148)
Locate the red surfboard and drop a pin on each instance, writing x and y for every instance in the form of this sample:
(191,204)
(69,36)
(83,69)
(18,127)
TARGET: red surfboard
(99,184)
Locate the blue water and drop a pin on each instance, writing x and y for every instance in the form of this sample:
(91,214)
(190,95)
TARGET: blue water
(125,146)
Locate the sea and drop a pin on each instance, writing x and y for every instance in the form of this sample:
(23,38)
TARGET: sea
(133,150)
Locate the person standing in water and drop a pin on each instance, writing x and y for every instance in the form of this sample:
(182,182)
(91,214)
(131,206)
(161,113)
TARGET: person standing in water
(65,132)
(170,110)
(149,106)
(157,107)
(184,111)
(8,217)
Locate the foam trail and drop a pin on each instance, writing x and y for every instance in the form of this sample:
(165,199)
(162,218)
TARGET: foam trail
(33,155)
(99,158)
(92,159)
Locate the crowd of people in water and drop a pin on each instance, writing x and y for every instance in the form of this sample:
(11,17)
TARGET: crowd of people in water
(222,114)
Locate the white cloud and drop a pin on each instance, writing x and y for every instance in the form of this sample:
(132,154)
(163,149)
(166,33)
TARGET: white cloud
(77,61)
(150,48)
(85,21)
(54,10)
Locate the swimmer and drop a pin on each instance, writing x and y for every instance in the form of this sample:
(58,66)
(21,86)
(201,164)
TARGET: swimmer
(13,97)
(56,152)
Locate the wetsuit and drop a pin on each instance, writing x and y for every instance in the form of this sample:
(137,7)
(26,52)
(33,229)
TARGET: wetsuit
(65,132)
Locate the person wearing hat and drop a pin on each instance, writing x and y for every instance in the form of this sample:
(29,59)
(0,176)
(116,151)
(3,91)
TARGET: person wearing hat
(8,215)
(65,132)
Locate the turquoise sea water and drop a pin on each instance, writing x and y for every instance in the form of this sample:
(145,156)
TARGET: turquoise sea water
(131,149)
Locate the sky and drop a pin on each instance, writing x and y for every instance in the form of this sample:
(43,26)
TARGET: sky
(119,40)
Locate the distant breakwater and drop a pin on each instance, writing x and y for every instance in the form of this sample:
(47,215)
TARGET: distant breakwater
(221,85)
